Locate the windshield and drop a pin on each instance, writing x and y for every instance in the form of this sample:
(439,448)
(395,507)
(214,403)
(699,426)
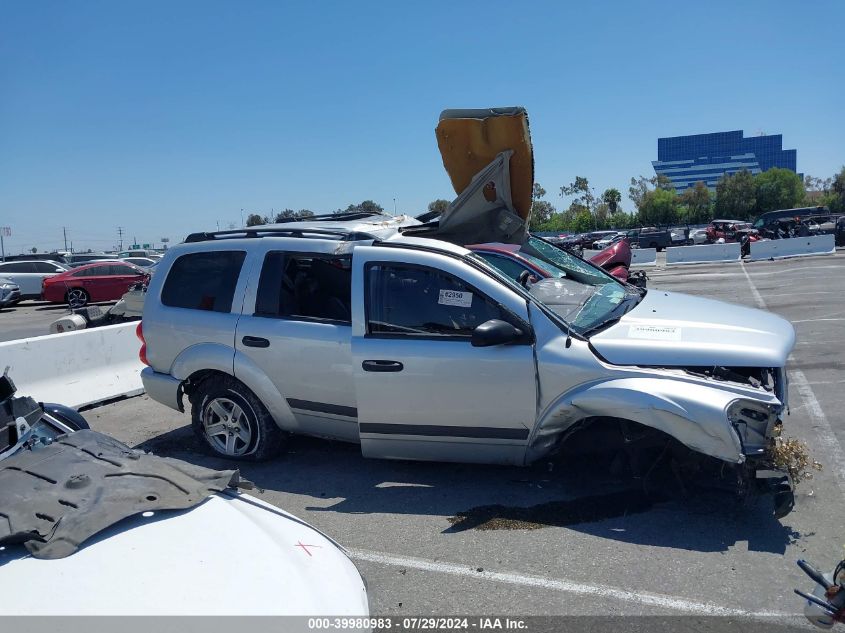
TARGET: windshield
(582,295)
(575,267)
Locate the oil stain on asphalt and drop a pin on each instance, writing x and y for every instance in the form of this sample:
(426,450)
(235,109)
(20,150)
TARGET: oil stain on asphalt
(555,513)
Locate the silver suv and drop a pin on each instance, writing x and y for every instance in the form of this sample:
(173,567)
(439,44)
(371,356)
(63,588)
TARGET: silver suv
(416,348)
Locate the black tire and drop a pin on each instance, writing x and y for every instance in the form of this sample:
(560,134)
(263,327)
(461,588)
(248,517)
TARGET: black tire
(77,297)
(251,436)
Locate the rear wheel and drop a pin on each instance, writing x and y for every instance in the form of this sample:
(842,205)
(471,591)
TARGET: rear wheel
(77,297)
(232,422)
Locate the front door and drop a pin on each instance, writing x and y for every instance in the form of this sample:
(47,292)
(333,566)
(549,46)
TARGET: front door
(423,391)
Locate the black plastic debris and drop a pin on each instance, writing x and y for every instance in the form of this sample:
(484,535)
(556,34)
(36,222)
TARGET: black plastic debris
(55,497)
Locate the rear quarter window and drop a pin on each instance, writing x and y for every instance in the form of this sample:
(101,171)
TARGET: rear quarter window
(203,281)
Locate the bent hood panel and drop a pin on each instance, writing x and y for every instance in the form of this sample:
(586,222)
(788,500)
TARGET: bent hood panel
(670,329)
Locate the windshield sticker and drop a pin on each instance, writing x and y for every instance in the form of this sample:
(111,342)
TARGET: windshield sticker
(655,332)
(455,298)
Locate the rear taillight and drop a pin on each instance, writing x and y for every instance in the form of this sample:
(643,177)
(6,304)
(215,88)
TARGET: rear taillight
(142,353)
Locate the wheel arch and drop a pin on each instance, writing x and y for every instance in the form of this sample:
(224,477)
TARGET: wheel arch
(693,414)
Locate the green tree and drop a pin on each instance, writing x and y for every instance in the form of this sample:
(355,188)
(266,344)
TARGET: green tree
(697,202)
(736,196)
(659,207)
(367,206)
(778,188)
(835,200)
(611,197)
(641,185)
(541,210)
(438,206)
(253,219)
(582,192)
(33,250)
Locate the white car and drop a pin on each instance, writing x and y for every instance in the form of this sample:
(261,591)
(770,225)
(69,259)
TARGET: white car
(612,239)
(698,236)
(231,555)
(28,274)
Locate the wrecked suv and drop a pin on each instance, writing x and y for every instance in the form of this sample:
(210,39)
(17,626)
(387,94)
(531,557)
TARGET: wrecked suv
(395,336)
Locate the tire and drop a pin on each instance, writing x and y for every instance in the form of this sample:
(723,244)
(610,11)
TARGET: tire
(77,297)
(232,422)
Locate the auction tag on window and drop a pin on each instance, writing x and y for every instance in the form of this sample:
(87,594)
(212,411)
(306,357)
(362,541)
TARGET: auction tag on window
(655,332)
(455,298)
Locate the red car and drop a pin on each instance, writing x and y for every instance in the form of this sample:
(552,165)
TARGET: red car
(107,281)
(730,231)
(509,259)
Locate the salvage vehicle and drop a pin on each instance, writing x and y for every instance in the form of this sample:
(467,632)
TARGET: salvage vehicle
(91,282)
(406,342)
(10,292)
(79,505)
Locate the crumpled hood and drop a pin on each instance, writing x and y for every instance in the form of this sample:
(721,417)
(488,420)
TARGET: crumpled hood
(669,329)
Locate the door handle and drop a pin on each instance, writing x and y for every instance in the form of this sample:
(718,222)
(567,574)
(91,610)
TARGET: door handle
(255,341)
(382,365)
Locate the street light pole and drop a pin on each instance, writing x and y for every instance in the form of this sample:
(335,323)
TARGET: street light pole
(394,206)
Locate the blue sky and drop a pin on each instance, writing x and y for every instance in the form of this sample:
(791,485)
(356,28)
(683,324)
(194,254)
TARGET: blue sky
(167,117)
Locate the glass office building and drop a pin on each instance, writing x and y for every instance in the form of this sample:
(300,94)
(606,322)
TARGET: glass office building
(707,157)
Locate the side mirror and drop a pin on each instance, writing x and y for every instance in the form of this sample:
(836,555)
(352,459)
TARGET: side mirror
(495,332)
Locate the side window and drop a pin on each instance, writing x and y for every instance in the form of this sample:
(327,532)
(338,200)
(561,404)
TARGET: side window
(203,281)
(419,301)
(17,268)
(120,269)
(504,265)
(305,286)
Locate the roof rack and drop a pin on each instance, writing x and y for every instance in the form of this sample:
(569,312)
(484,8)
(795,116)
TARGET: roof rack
(252,232)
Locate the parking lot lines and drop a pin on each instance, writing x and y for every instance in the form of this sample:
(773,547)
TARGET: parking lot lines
(827,442)
(558,584)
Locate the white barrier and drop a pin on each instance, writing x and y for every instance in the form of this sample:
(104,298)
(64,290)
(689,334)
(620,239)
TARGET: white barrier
(643,256)
(793,247)
(703,254)
(76,368)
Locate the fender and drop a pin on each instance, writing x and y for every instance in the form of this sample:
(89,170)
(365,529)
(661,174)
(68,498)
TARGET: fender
(222,358)
(693,414)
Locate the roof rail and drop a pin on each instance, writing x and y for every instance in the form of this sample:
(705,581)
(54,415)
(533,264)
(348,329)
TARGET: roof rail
(252,232)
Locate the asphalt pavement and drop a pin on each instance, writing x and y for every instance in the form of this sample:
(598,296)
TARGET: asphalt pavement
(590,545)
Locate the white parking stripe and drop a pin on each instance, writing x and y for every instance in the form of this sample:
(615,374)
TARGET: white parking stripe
(557,584)
(831,450)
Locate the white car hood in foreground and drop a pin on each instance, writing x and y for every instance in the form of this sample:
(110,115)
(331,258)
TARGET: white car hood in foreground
(668,329)
(231,555)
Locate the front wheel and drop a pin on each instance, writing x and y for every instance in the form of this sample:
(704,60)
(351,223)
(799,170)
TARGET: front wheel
(233,423)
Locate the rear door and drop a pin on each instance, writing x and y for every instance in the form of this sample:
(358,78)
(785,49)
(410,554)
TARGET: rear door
(423,391)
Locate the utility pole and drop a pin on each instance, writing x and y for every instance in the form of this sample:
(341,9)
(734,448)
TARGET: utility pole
(120,235)
(242,218)
(64,230)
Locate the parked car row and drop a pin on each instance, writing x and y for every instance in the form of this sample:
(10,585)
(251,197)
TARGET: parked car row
(57,282)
